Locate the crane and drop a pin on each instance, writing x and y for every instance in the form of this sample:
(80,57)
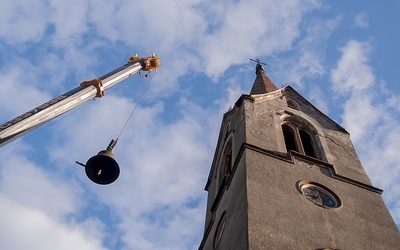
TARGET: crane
(87,90)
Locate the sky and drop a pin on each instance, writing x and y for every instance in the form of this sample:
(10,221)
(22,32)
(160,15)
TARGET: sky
(343,56)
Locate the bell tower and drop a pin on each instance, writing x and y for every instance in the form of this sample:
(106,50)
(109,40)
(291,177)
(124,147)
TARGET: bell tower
(286,176)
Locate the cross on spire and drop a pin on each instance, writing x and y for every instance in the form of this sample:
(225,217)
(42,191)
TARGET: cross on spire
(259,65)
(262,84)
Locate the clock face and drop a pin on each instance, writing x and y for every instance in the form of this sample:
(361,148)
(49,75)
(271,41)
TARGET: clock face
(319,195)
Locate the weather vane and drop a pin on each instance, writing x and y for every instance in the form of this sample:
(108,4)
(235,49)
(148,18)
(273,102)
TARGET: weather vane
(259,64)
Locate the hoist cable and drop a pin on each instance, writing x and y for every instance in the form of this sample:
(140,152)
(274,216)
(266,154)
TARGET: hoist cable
(112,145)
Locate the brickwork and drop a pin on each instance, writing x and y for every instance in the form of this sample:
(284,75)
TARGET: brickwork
(262,84)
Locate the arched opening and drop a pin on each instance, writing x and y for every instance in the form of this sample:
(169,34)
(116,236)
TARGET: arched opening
(225,164)
(298,138)
(220,230)
(307,142)
(289,136)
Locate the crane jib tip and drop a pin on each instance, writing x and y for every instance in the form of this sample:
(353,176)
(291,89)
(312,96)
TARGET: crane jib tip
(148,63)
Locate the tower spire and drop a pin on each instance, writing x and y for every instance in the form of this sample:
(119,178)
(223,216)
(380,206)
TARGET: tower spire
(262,84)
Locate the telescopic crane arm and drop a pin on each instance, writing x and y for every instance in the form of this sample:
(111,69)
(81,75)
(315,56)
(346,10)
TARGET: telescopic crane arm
(87,90)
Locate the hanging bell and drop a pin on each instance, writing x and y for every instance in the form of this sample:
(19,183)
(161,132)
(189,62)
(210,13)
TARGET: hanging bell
(102,168)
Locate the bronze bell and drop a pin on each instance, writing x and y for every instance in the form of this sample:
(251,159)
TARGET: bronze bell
(102,168)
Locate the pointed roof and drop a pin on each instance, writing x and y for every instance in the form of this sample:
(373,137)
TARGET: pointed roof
(262,84)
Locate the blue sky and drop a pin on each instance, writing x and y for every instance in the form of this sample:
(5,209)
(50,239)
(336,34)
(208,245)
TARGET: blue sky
(343,56)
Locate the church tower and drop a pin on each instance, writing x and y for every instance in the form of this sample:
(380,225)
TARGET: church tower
(286,176)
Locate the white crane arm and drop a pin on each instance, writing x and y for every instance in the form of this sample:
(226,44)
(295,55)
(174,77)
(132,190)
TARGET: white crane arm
(87,90)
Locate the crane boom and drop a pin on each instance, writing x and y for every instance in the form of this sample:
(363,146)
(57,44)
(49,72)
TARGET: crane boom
(87,90)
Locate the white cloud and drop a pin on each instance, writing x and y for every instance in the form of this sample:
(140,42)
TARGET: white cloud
(29,82)
(245,31)
(318,98)
(361,20)
(353,76)
(307,62)
(394,102)
(16,94)
(35,206)
(33,21)
(31,186)
(69,19)
(379,153)
(360,115)
(23,21)
(200,36)
(218,34)
(164,227)
(30,228)
(373,122)
(353,72)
